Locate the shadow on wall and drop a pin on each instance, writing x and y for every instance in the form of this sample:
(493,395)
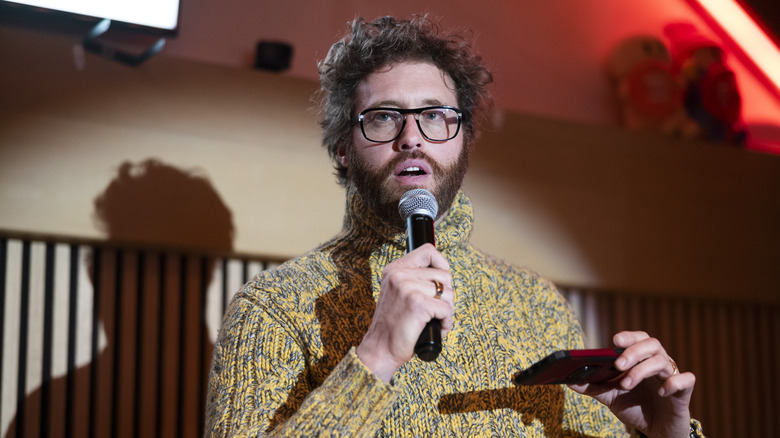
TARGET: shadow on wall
(150,378)
(152,203)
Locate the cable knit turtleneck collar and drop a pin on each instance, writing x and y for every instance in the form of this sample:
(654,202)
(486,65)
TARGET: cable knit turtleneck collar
(363,228)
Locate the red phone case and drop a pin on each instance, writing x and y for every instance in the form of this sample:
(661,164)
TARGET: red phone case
(572,367)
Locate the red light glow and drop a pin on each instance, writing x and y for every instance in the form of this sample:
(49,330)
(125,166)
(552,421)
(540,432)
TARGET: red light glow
(750,42)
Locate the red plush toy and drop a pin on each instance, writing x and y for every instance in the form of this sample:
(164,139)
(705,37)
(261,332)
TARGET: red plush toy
(710,93)
(649,94)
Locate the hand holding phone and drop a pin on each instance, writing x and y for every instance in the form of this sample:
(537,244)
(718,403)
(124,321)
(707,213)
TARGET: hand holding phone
(572,367)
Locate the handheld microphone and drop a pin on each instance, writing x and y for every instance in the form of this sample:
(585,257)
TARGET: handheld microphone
(418,207)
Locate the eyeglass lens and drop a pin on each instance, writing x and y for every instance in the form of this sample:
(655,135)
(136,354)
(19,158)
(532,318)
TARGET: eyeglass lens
(437,124)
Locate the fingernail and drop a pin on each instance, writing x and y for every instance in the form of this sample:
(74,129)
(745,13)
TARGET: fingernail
(627,383)
(662,391)
(621,363)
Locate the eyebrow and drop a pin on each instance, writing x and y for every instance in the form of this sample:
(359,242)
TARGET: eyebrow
(397,104)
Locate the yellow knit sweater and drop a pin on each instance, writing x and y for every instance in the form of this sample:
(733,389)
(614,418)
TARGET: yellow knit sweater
(285,363)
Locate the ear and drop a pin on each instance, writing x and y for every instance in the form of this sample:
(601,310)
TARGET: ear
(341,155)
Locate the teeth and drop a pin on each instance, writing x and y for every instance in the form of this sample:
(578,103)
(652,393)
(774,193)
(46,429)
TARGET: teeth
(412,169)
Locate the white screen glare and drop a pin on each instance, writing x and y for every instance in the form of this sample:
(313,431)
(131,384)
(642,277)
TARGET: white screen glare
(162,14)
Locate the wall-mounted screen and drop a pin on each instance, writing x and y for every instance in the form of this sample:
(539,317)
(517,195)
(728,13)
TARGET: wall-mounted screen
(154,16)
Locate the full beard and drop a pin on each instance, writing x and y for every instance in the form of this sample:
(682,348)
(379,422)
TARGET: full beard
(380,195)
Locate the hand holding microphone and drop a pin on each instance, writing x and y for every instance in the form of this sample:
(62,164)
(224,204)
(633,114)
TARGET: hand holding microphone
(408,300)
(418,207)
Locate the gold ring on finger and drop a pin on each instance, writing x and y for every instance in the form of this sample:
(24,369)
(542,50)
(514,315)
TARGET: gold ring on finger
(439,289)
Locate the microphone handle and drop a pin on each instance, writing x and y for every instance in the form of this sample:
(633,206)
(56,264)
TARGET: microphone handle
(428,345)
(419,232)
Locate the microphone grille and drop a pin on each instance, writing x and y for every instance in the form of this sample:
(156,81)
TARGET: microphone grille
(418,201)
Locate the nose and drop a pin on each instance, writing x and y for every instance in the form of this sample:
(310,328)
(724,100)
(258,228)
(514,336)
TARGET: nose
(410,137)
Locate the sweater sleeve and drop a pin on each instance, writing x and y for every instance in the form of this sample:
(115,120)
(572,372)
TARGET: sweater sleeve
(258,369)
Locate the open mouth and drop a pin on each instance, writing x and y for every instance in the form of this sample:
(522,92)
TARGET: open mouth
(412,171)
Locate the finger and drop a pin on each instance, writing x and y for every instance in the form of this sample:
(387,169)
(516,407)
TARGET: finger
(638,349)
(446,325)
(411,280)
(578,388)
(447,297)
(441,309)
(670,370)
(625,339)
(440,286)
(421,293)
(654,366)
(426,256)
(435,297)
(680,384)
(439,289)
(431,282)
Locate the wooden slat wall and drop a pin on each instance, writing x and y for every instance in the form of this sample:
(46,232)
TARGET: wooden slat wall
(78,358)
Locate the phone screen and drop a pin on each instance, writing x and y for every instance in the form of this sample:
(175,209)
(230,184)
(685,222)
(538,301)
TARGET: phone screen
(572,367)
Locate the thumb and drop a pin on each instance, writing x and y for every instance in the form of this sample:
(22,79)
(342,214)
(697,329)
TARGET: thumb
(579,388)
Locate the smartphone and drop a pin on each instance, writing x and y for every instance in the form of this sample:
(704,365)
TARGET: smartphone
(572,367)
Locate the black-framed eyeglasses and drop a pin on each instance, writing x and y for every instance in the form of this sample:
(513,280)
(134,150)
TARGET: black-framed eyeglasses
(436,123)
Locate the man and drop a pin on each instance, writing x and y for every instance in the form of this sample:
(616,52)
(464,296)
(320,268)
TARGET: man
(325,343)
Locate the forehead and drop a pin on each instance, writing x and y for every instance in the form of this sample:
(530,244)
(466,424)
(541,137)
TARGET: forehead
(406,85)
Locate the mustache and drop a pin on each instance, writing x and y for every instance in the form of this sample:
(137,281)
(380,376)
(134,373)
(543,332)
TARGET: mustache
(416,155)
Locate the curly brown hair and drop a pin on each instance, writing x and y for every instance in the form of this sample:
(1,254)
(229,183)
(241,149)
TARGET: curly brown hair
(385,41)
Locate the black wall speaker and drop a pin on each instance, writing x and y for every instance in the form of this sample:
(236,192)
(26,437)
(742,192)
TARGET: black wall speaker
(274,56)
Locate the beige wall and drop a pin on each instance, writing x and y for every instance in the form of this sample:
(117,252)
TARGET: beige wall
(586,205)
